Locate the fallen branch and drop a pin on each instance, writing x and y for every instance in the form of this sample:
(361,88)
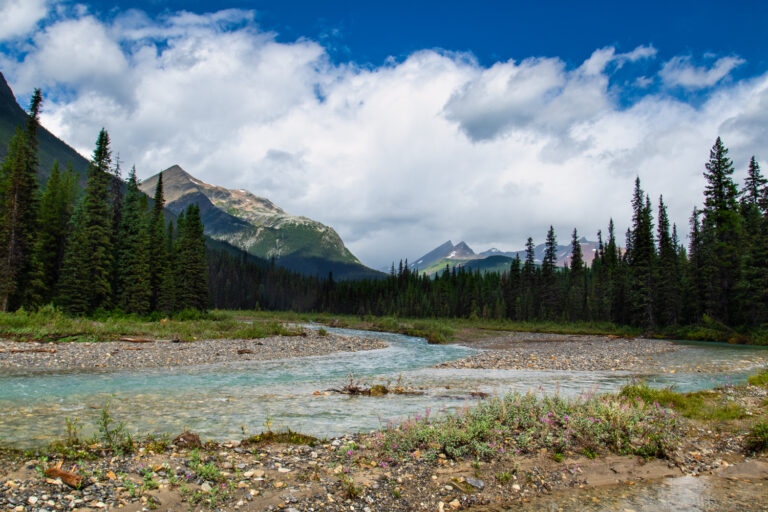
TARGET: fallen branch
(136,340)
(71,479)
(33,350)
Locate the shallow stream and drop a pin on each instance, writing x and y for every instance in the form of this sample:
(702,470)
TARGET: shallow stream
(220,401)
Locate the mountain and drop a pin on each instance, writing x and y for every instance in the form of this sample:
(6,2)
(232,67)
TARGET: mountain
(493,260)
(259,227)
(51,147)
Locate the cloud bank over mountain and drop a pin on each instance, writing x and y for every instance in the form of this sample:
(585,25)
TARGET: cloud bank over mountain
(395,157)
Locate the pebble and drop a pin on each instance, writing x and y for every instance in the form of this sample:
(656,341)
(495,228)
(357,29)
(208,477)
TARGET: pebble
(166,354)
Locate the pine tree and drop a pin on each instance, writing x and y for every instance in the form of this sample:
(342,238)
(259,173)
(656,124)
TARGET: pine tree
(549,293)
(133,255)
(641,255)
(158,257)
(167,300)
(721,230)
(576,288)
(191,263)
(90,250)
(752,288)
(56,208)
(667,278)
(19,272)
(529,283)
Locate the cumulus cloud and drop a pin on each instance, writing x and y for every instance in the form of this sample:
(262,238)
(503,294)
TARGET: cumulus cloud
(19,17)
(680,71)
(397,158)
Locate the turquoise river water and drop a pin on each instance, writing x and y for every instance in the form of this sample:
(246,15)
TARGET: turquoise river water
(219,401)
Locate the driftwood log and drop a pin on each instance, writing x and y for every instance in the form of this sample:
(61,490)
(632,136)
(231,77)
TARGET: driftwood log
(71,479)
(29,350)
(136,340)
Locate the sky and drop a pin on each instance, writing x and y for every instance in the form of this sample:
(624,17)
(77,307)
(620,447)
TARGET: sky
(403,125)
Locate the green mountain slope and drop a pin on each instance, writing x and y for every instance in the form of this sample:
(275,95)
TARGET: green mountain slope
(51,147)
(257,226)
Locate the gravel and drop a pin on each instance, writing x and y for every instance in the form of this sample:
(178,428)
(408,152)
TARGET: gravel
(30,356)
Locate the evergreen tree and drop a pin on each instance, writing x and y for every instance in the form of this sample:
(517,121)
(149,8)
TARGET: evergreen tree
(529,283)
(191,265)
(133,255)
(158,257)
(641,256)
(752,288)
(549,293)
(56,208)
(667,277)
(721,230)
(91,247)
(19,272)
(577,275)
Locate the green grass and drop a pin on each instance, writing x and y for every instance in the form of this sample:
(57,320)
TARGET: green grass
(759,379)
(51,324)
(287,437)
(701,405)
(757,439)
(525,423)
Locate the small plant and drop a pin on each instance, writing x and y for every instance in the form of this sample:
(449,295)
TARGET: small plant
(589,453)
(757,439)
(40,468)
(351,491)
(759,379)
(114,436)
(504,477)
(558,457)
(322,332)
(209,472)
(149,481)
(395,492)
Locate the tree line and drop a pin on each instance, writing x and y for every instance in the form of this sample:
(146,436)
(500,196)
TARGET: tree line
(104,248)
(653,282)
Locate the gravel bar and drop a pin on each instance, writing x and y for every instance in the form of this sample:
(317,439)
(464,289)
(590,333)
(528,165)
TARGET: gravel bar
(539,351)
(30,356)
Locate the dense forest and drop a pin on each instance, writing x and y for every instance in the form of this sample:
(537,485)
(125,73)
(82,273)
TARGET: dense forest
(99,249)
(652,282)
(109,248)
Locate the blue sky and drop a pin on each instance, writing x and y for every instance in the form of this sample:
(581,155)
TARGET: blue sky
(405,124)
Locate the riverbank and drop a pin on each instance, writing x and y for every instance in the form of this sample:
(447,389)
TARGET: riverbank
(139,353)
(384,470)
(568,352)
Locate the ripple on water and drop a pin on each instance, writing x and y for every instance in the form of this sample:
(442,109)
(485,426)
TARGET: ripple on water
(217,400)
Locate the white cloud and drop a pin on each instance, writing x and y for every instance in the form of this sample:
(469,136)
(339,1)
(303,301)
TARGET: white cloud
(19,17)
(679,71)
(397,158)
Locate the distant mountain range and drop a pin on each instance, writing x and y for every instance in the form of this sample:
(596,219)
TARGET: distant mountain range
(233,219)
(492,260)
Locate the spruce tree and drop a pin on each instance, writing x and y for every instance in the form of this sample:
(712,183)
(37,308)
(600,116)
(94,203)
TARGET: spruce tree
(19,271)
(667,273)
(56,208)
(752,288)
(550,296)
(133,256)
(90,250)
(191,263)
(576,288)
(158,257)
(641,255)
(721,230)
(529,283)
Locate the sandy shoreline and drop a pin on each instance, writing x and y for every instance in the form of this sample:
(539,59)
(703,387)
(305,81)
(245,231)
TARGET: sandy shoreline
(30,356)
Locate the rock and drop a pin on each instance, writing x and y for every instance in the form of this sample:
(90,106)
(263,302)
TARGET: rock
(32,500)
(516,487)
(187,440)
(206,487)
(258,473)
(283,470)
(455,504)
(477,484)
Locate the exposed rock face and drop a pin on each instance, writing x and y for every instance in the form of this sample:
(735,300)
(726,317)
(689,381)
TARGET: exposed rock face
(249,222)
